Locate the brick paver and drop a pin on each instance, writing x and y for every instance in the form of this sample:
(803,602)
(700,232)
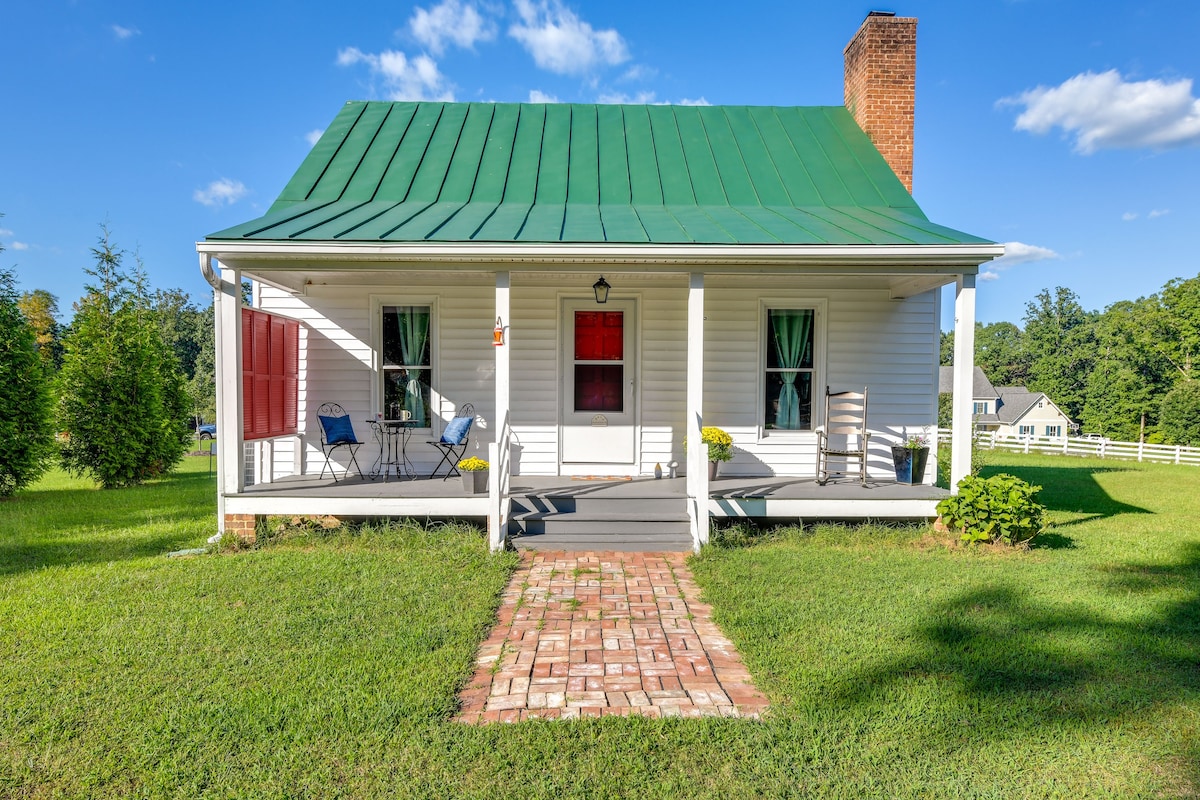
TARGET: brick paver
(602,634)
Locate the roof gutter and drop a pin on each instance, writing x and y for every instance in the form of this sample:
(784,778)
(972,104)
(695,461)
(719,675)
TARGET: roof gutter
(959,258)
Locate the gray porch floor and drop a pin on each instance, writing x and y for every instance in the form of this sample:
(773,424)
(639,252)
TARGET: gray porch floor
(724,488)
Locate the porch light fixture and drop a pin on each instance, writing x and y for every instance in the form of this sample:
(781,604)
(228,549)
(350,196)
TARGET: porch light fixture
(601,288)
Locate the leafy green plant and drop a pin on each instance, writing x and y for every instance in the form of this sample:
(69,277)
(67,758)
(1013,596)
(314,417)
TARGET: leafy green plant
(1002,508)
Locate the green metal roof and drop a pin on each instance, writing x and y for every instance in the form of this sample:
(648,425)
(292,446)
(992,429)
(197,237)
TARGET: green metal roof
(482,172)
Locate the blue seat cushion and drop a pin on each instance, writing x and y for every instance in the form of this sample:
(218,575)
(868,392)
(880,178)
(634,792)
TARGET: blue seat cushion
(338,430)
(457,430)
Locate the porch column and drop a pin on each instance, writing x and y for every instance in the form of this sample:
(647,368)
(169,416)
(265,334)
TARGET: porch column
(964,369)
(499,450)
(228,301)
(697,452)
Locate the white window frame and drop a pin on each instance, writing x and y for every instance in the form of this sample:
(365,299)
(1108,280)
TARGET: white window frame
(819,308)
(1026,430)
(435,398)
(1057,431)
(981,408)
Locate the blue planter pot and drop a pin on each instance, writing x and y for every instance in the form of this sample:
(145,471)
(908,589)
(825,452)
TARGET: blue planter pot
(910,464)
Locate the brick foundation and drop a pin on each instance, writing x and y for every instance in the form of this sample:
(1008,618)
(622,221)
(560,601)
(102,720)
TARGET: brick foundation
(242,526)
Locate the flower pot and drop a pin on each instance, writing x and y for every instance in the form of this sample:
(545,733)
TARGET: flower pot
(910,463)
(475,482)
(712,470)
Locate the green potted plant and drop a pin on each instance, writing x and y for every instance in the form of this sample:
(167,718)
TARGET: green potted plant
(720,447)
(909,458)
(474,474)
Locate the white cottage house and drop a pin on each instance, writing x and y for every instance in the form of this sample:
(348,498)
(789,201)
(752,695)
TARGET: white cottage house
(429,255)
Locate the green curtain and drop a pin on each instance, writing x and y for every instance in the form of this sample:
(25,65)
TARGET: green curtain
(414,340)
(792,331)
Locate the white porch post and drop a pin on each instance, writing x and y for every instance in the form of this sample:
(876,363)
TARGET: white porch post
(230,478)
(964,369)
(497,482)
(697,451)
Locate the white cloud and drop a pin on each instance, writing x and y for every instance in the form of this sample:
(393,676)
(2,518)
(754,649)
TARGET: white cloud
(699,101)
(1016,253)
(313,136)
(451,21)
(1158,212)
(621,98)
(538,96)
(561,42)
(1021,253)
(639,72)
(1104,111)
(20,245)
(5,232)
(1129,216)
(221,192)
(122,33)
(404,78)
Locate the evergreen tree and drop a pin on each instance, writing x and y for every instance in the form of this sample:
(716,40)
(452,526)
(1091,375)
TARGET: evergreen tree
(26,435)
(122,400)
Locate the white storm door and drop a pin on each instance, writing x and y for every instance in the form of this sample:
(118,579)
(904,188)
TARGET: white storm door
(599,381)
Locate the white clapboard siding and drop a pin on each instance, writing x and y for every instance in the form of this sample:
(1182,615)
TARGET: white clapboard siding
(868,339)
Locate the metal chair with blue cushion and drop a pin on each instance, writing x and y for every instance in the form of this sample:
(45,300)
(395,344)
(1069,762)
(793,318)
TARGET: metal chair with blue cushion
(453,442)
(337,431)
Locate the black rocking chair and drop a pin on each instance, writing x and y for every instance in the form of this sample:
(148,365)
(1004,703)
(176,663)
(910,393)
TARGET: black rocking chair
(336,431)
(453,443)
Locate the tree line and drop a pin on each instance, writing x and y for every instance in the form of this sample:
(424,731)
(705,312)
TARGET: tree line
(1129,372)
(113,394)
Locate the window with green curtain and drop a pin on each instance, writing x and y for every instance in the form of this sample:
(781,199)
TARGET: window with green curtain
(788,378)
(407,367)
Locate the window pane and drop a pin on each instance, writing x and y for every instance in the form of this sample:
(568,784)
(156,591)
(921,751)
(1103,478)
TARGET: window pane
(599,335)
(789,400)
(406,390)
(789,338)
(599,388)
(406,336)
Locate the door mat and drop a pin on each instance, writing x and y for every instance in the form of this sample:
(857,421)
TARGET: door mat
(601,477)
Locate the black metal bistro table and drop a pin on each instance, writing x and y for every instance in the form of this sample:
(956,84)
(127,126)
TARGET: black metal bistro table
(392,436)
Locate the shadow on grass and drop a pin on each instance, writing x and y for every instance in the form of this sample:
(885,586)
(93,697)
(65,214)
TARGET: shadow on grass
(56,527)
(1072,489)
(1022,665)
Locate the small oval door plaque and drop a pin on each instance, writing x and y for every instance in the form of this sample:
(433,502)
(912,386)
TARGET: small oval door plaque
(599,421)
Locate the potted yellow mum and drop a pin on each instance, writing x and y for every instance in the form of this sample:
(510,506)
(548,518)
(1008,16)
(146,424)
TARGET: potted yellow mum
(474,473)
(720,447)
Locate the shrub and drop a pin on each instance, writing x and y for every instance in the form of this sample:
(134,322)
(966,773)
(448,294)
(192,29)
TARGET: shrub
(26,436)
(122,400)
(1001,508)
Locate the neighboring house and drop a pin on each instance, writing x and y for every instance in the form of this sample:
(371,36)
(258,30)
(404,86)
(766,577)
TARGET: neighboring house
(1010,410)
(985,400)
(427,255)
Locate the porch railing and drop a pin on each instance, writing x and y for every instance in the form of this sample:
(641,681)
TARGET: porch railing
(1080,446)
(499,483)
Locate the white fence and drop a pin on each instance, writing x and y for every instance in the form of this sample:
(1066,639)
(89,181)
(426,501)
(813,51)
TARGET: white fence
(1095,448)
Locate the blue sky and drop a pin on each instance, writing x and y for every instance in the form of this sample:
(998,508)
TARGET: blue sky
(1067,129)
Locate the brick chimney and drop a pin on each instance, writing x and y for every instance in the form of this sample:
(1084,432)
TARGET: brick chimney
(881,70)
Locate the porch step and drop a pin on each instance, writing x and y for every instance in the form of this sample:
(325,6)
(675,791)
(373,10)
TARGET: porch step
(575,523)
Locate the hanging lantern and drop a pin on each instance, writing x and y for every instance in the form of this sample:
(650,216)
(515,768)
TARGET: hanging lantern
(601,288)
(498,333)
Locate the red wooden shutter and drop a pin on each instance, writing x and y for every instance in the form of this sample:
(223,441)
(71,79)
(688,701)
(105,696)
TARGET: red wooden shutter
(270,374)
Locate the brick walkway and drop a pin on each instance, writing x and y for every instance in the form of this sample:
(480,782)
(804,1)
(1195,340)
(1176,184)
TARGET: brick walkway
(596,634)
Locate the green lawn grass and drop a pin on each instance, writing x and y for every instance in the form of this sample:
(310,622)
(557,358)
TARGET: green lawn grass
(326,664)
